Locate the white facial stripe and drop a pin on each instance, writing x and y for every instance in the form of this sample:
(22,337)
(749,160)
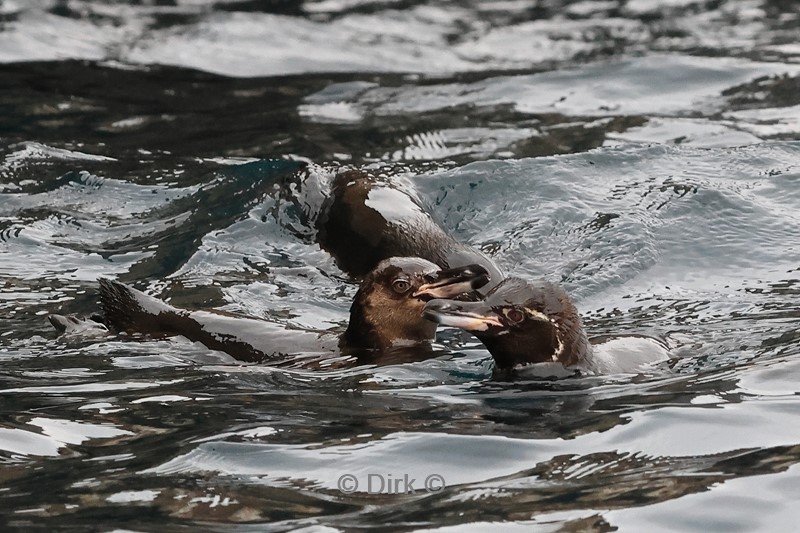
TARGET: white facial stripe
(541,316)
(560,347)
(538,315)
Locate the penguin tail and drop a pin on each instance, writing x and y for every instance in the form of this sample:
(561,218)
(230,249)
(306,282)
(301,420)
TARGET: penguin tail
(71,325)
(61,322)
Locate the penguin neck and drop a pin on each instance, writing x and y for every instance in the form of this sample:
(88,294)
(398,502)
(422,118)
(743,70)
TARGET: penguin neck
(576,350)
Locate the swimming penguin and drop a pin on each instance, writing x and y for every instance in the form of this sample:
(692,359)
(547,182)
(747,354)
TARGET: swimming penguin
(366,219)
(386,314)
(525,322)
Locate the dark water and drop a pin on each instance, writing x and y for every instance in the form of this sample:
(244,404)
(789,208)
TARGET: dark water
(645,154)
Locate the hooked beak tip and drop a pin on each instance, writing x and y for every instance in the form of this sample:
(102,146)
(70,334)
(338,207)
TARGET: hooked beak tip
(451,314)
(454,282)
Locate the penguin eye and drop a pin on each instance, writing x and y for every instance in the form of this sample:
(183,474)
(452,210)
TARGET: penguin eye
(514,315)
(401,285)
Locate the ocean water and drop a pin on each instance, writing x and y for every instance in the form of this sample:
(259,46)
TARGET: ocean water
(644,154)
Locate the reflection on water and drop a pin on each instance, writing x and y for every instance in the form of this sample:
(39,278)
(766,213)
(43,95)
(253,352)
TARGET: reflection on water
(642,153)
(249,38)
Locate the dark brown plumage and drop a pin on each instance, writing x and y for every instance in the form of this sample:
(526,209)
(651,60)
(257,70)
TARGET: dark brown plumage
(367,219)
(386,313)
(520,322)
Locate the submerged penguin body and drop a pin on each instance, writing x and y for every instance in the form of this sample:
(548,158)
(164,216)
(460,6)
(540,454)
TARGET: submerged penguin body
(529,322)
(367,219)
(386,314)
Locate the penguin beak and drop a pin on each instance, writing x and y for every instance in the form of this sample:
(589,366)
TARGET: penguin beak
(453,282)
(470,316)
